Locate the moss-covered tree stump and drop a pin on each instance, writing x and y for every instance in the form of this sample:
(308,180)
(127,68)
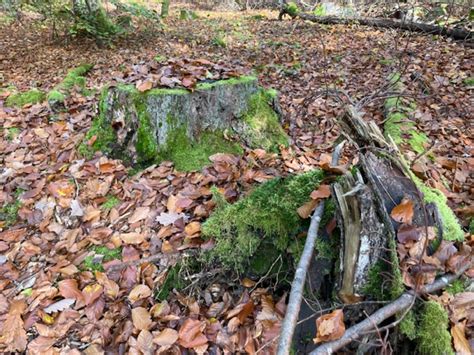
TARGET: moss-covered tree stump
(185,127)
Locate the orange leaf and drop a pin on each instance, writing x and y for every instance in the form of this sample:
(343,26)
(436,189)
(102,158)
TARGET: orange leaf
(461,344)
(144,86)
(139,292)
(305,210)
(403,213)
(330,327)
(166,337)
(68,289)
(323,191)
(190,334)
(91,293)
(192,229)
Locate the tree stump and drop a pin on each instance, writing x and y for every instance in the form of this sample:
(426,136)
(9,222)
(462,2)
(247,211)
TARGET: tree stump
(186,127)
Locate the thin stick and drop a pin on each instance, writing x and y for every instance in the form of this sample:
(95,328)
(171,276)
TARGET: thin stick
(397,306)
(297,286)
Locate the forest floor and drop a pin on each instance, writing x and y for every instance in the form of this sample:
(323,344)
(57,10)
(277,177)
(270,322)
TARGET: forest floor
(66,205)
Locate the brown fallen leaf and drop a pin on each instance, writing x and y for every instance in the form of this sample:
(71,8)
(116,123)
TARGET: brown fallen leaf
(190,334)
(132,238)
(305,210)
(403,213)
(69,289)
(141,318)
(139,292)
(323,191)
(461,344)
(145,342)
(166,337)
(330,326)
(13,333)
(91,293)
(140,214)
(144,86)
(407,232)
(192,228)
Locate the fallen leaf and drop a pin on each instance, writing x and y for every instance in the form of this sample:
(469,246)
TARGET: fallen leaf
(166,219)
(145,342)
(190,334)
(140,214)
(166,337)
(461,344)
(403,213)
(13,333)
(132,238)
(91,293)
(144,86)
(139,292)
(330,326)
(59,306)
(192,228)
(305,210)
(141,318)
(408,232)
(323,191)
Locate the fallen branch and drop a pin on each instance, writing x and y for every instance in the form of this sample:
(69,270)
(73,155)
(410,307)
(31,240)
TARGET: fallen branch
(397,306)
(297,286)
(455,33)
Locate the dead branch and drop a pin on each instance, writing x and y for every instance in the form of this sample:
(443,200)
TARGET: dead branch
(397,306)
(455,33)
(297,286)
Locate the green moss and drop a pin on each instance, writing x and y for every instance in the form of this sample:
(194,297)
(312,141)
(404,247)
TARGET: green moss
(408,325)
(20,99)
(469,81)
(9,211)
(266,130)
(471,226)
(173,280)
(12,133)
(232,81)
(55,95)
(109,254)
(112,201)
(456,287)
(319,10)
(433,334)
(146,144)
(268,213)
(452,230)
(219,41)
(189,155)
(399,127)
(292,9)
(74,78)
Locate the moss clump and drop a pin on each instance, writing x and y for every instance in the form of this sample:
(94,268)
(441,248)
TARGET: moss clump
(12,133)
(456,287)
(219,41)
(74,78)
(9,211)
(452,230)
(402,129)
(112,201)
(469,81)
(109,254)
(291,9)
(319,10)
(268,213)
(188,15)
(265,130)
(433,335)
(408,326)
(20,99)
(189,155)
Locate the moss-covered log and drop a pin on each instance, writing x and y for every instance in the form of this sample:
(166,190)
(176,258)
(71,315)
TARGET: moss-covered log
(185,127)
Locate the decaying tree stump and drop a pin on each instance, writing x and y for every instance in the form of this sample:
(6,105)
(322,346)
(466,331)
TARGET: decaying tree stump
(187,127)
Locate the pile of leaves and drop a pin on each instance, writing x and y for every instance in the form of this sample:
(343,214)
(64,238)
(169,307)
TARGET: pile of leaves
(179,73)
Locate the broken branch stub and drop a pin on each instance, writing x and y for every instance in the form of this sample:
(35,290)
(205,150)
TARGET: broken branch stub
(186,127)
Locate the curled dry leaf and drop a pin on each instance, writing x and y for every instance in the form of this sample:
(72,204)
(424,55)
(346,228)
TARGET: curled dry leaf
(305,210)
(13,333)
(323,191)
(461,344)
(330,327)
(403,213)
(139,292)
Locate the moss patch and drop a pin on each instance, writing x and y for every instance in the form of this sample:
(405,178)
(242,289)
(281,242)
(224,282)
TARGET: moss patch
(9,211)
(267,213)
(189,155)
(264,122)
(291,9)
(112,201)
(20,99)
(469,81)
(433,335)
(108,255)
(74,78)
(452,230)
